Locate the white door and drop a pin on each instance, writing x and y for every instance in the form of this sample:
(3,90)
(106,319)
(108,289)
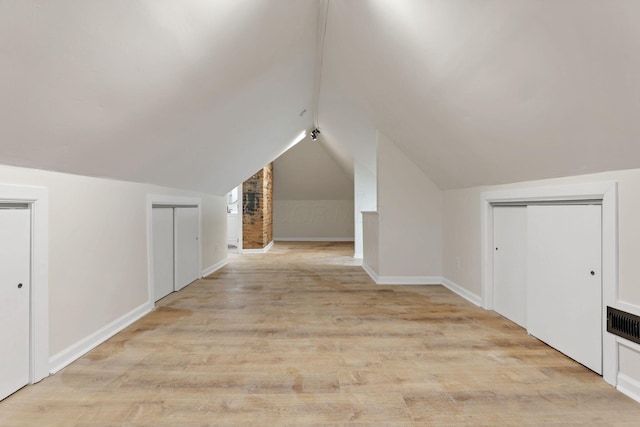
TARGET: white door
(162,229)
(15,255)
(510,263)
(187,247)
(232,229)
(564,288)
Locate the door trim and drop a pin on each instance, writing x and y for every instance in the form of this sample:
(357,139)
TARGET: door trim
(38,200)
(607,191)
(177,202)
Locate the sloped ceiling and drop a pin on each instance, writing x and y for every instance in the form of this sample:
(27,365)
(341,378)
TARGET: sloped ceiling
(193,94)
(490,91)
(199,94)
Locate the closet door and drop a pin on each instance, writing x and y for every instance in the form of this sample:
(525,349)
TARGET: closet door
(510,263)
(564,287)
(187,247)
(15,258)
(163,263)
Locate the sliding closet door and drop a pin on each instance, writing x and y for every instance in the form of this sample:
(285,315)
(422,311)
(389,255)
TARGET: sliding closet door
(162,229)
(510,263)
(564,288)
(187,247)
(15,285)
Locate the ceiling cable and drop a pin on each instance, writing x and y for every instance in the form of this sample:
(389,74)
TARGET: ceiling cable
(323,12)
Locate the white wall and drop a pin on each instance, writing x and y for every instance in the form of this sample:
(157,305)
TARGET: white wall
(98,248)
(371,243)
(410,216)
(313,219)
(312,195)
(366,199)
(214,230)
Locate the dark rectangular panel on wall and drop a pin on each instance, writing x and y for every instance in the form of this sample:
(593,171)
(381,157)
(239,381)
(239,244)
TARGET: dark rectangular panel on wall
(623,324)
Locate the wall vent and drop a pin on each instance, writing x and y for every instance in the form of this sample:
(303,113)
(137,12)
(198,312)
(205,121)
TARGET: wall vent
(623,324)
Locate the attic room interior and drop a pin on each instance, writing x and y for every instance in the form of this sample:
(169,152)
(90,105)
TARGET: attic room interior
(456,243)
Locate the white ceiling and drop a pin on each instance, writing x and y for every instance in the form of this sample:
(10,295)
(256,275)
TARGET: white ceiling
(199,94)
(492,91)
(194,94)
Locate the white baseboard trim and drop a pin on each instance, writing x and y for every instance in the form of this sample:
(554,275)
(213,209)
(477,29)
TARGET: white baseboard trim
(257,251)
(370,272)
(79,349)
(409,280)
(358,255)
(215,267)
(629,386)
(401,280)
(464,293)
(423,280)
(313,239)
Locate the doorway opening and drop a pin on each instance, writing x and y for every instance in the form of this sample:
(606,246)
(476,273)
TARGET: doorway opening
(234,220)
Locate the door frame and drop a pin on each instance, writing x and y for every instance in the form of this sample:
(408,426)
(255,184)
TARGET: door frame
(38,200)
(607,192)
(170,201)
(240,217)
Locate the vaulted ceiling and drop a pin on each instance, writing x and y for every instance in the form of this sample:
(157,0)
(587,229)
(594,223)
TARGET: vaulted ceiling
(199,94)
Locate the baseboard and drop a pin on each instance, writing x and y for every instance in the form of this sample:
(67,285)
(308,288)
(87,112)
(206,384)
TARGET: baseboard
(370,272)
(401,280)
(629,386)
(358,255)
(79,349)
(313,239)
(256,251)
(215,267)
(409,280)
(464,293)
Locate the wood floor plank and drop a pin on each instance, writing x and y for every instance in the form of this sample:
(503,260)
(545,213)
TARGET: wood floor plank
(301,336)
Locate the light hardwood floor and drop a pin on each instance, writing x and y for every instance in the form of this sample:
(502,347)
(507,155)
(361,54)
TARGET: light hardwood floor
(301,336)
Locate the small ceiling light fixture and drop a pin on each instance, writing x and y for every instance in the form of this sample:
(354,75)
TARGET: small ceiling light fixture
(314,134)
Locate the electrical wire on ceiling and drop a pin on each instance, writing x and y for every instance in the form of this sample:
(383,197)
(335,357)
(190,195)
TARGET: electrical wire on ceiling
(323,12)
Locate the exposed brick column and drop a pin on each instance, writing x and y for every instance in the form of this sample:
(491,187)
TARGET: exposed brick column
(257,207)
